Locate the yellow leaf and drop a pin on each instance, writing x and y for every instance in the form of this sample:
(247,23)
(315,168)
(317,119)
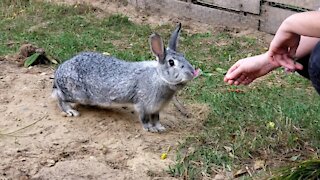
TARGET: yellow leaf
(271,125)
(163,156)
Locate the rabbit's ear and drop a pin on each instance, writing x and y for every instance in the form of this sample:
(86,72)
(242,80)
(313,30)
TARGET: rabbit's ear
(173,42)
(157,47)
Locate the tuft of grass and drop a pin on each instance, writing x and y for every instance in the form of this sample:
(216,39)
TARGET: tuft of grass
(309,169)
(237,130)
(193,162)
(118,21)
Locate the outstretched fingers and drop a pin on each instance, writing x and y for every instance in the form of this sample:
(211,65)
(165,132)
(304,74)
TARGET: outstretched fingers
(284,60)
(234,75)
(239,80)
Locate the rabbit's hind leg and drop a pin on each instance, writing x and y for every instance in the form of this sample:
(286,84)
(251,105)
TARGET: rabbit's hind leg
(63,105)
(66,107)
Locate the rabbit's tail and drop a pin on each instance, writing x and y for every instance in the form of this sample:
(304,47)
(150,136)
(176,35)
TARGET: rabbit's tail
(55,91)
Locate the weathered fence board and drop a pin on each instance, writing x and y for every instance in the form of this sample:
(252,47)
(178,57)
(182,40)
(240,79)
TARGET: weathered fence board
(251,6)
(272,17)
(307,4)
(260,14)
(198,13)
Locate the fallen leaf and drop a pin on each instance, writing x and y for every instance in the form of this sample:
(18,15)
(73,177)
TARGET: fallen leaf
(295,158)
(259,164)
(30,60)
(206,74)
(271,125)
(229,149)
(219,177)
(164,156)
(52,60)
(240,172)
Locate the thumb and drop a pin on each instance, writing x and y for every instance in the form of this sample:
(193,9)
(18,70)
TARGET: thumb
(235,74)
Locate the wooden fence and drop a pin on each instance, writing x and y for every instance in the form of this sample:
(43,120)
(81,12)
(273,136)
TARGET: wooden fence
(263,15)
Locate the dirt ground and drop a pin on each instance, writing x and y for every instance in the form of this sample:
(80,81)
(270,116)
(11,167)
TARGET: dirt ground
(37,142)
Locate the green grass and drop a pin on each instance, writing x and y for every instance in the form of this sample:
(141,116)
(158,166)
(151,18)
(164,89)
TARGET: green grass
(64,31)
(236,132)
(309,169)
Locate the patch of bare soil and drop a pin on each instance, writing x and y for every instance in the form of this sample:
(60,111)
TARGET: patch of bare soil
(37,142)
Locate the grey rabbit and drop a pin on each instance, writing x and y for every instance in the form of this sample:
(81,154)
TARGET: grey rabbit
(91,78)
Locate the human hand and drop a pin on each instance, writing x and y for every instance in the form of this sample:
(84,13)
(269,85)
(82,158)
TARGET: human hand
(244,71)
(283,49)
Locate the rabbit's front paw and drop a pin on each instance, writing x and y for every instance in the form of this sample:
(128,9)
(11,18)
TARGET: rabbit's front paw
(159,127)
(154,128)
(72,112)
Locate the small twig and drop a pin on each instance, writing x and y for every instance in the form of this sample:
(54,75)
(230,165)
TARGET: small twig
(248,170)
(13,135)
(15,131)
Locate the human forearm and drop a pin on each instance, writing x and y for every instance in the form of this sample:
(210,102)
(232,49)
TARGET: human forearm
(304,24)
(306,45)
(286,41)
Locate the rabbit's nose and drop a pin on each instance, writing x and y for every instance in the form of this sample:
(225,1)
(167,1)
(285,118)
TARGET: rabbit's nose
(196,73)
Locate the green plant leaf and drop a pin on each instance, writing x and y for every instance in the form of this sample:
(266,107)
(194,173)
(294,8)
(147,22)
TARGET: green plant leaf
(52,60)
(221,71)
(30,60)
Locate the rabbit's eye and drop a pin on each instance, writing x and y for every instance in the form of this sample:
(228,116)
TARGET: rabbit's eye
(171,62)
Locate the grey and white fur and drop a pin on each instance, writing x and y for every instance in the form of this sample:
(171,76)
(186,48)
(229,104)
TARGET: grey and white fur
(91,78)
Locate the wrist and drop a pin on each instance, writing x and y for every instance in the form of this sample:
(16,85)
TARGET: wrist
(270,66)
